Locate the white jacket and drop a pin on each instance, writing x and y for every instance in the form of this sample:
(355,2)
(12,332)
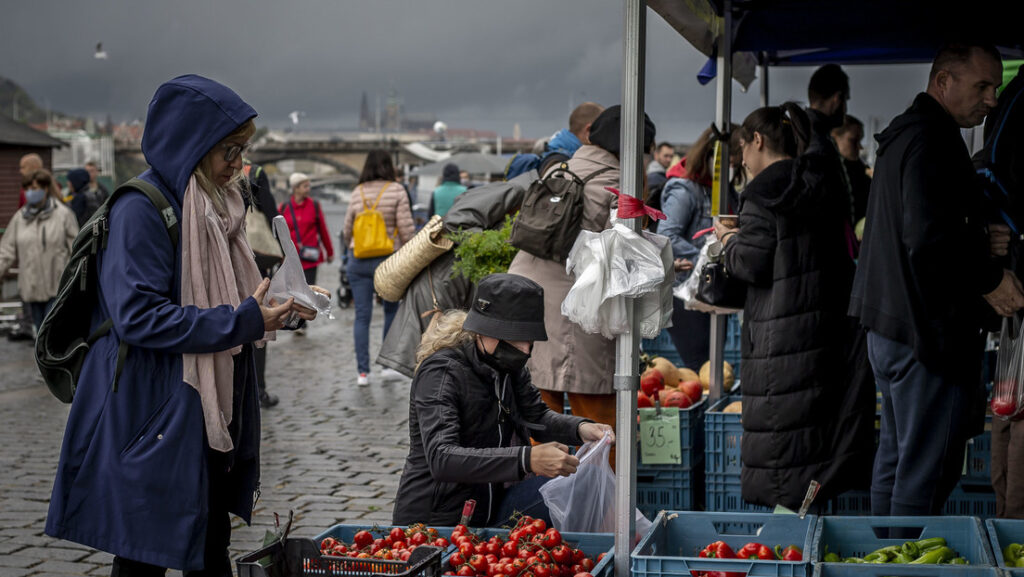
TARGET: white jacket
(41,248)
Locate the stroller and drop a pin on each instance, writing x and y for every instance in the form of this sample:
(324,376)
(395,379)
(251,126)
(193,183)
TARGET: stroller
(344,291)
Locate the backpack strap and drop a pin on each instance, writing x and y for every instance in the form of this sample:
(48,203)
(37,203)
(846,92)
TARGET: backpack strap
(170,222)
(379,195)
(596,173)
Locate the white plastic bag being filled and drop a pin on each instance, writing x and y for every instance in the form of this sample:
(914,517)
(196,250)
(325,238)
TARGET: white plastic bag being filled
(585,501)
(289,281)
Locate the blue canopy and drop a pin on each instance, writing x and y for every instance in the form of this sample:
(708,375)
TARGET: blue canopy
(811,32)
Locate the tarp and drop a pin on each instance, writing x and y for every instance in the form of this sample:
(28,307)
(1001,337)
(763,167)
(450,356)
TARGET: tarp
(811,32)
(472,162)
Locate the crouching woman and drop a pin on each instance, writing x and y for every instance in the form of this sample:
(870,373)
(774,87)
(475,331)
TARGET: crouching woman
(473,411)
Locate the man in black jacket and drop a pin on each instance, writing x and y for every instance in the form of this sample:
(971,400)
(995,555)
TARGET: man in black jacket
(924,277)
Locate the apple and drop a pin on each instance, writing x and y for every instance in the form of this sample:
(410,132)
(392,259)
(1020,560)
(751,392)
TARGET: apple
(692,389)
(643,401)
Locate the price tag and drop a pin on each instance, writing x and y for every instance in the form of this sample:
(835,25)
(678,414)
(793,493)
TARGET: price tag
(659,437)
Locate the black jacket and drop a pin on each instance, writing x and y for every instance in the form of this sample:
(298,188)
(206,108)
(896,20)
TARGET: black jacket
(465,443)
(808,394)
(925,259)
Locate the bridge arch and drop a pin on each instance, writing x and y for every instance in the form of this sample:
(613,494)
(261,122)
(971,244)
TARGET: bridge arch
(274,158)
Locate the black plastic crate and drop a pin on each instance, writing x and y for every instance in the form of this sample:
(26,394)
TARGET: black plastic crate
(302,558)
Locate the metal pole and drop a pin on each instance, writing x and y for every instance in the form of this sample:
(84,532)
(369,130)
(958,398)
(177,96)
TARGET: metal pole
(627,347)
(723,118)
(764,79)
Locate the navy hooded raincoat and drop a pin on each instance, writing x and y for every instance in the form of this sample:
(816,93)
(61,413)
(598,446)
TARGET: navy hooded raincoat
(133,477)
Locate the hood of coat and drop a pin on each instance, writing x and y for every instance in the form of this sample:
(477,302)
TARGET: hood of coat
(564,142)
(924,110)
(786,185)
(187,117)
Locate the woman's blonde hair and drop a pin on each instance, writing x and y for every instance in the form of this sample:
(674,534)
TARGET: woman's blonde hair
(204,172)
(444,332)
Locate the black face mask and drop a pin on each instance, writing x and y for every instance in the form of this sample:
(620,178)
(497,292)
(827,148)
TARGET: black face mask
(505,358)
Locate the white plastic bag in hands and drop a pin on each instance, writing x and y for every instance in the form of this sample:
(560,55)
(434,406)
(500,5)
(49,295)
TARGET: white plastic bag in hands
(584,501)
(289,280)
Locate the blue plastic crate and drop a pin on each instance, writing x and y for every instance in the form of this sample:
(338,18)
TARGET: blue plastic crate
(871,570)
(852,503)
(662,346)
(971,500)
(593,544)
(722,435)
(722,492)
(672,545)
(668,488)
(1002,532)
(979,457)
(857,536)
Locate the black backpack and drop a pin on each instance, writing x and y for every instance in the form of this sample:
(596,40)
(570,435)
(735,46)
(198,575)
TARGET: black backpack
(552,214)
(64,337)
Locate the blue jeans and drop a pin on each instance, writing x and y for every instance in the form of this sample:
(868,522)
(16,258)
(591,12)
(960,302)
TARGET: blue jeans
(525,498)
(924,432)
(360,276)
(39,311)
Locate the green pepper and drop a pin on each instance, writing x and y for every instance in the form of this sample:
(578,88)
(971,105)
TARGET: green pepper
(958,561)
(854,560)
(831,558)
(937,556)
(1020,562)
(902,558)
(911,549)
(877,557)
(890,550)
(1011,553)
(930,543)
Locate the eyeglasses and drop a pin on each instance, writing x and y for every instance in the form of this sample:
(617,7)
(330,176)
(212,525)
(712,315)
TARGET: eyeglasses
(232,150)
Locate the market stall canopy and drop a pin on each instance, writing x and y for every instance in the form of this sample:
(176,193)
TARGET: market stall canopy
(811,32)
(471,162)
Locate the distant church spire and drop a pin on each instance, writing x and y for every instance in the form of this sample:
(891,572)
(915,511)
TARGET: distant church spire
(366,121)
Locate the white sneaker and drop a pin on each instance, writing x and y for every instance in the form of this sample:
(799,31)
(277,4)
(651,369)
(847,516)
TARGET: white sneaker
(363,380)
(392,375)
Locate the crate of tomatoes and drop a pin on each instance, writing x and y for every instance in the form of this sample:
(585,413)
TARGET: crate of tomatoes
(528,549)
(350,551)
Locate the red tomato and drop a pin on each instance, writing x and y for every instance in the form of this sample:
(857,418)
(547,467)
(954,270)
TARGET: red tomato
(480,548)
(363,539)
(524,554)
(461,528)
(543,556)
(678,399)
(364,556)
(532,560)
(396,534)
(466,549)
(643,401)
(339,550)
(540,525)
(552,538)
(457,559)
(584,574)
(1004,406)
(578,556)
(509,549)
(491,558)
(405,555)
(505,560)
(378,544)
(479,563)
(328,543)
(518,565)
(541,570)
(588,564)
(562,555)
(399,545)
(493,548)
(466,571)
(440,542)
(577,568)
(418,538)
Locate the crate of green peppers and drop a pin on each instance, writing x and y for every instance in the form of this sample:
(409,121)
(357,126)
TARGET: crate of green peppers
(902,541)
(1007,539)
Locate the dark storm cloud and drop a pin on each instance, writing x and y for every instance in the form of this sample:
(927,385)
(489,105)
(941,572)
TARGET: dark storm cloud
(474,64)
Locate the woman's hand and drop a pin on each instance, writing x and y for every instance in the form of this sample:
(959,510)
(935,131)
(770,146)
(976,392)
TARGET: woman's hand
(682,264)
(552,460)
(596,431)
(274,315)
(308,314)
(723,230)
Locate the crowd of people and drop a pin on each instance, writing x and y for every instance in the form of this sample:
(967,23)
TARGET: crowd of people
(855,279)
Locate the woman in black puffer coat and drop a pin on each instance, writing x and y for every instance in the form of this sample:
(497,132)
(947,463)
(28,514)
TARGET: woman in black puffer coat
(808,394)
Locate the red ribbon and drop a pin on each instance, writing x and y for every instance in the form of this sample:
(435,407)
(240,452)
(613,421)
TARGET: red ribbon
(632,207)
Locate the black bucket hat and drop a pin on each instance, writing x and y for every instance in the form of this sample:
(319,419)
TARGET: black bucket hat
(507,307)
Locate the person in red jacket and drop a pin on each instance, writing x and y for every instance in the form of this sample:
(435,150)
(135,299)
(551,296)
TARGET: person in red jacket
(309,228)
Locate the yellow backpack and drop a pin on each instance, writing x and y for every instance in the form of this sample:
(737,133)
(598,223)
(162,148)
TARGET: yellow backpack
(369,232)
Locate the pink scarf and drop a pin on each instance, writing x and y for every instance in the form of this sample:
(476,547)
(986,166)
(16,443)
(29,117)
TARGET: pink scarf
(217,268)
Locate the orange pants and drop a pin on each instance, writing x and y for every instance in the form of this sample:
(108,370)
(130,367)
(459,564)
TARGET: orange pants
(597,408)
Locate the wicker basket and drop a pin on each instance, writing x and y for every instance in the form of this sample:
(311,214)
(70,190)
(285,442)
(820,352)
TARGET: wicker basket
(395,274)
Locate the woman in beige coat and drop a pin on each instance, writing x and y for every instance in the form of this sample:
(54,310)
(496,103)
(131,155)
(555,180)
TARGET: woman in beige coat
(377,190)
(571,360)
(38,238)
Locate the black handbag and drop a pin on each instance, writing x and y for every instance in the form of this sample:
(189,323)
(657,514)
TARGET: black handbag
(715,286)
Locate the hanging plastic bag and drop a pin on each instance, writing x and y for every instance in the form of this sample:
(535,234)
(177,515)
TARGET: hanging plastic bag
(687,291)
(584,501)
(655,308)
(289,281)
(1008,392)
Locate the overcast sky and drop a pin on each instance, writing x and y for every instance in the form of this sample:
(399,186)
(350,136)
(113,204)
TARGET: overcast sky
(473,63)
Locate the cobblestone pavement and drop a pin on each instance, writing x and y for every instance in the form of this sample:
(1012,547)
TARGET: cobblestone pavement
(331,451)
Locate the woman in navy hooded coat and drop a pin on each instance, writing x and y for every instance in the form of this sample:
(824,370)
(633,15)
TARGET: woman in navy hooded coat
(137,475)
